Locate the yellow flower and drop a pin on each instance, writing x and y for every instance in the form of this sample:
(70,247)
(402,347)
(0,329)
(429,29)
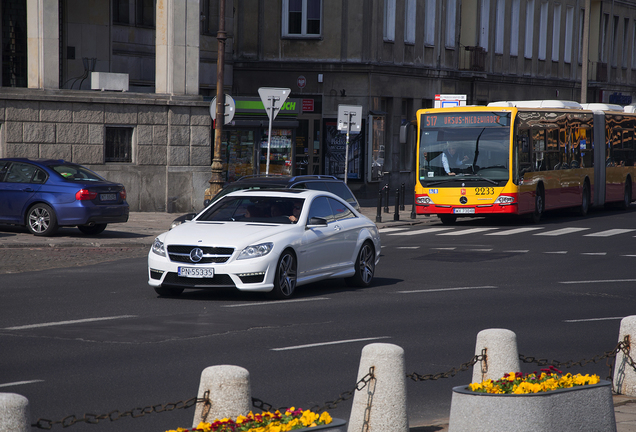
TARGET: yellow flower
(325,418)
(206,427)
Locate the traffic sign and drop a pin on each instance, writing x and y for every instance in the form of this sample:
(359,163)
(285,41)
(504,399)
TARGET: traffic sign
(301,81)
(349,118)
(273,99)
(230,109)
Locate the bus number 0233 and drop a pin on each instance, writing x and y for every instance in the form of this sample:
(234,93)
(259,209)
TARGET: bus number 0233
(484,191)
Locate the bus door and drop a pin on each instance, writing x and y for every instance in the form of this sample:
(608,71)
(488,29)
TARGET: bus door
(525,196)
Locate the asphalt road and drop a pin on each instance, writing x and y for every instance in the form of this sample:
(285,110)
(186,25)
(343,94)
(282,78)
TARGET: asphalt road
(95,338)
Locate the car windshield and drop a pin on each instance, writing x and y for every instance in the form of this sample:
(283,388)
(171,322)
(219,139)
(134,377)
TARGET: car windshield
(75,173)
(276,210)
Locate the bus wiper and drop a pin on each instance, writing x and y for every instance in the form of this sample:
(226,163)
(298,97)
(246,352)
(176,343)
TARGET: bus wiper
(491,181)
(466,177)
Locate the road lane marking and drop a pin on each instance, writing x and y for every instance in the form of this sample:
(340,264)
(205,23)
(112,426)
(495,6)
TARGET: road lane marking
(275,302)
(517,251)
(608,233)
(594,319)
(562,231)
(407,247)
(479,250)
(594,253)
(447,289)
(17,383)
(386,230)
(444,248)
(80,321)
(514,231)
(598,281)
(421,231)
(556,252)
(467,231)
(328,343)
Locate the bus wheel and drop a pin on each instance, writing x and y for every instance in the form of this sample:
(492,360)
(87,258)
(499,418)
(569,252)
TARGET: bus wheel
(448,219)
(585,200)
(627,195)
(539,205)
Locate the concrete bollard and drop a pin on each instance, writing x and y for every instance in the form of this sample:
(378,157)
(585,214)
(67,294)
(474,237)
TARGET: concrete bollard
(502,356)
(381,405)
(624,375)
(230,393)
(14,413)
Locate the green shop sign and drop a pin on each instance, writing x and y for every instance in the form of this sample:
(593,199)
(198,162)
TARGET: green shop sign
(254,107)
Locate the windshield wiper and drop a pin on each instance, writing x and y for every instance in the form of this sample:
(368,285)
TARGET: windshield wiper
(467,177)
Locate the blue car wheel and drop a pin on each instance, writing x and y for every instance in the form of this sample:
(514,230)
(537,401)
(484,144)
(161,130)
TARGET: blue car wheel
(41,220)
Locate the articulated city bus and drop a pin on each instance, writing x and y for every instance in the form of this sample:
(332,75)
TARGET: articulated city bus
(523,158)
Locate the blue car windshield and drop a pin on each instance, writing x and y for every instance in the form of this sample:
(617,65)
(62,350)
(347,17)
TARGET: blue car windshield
(75,173)
(276,210)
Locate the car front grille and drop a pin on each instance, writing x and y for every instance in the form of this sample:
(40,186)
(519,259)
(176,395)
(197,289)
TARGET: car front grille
(221,280)
(182,253)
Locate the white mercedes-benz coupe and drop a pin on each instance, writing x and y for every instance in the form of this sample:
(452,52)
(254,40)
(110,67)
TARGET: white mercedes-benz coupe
(268,241)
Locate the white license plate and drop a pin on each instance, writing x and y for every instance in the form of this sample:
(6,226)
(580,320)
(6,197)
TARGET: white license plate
(463,211)
(108,197)
(193,272)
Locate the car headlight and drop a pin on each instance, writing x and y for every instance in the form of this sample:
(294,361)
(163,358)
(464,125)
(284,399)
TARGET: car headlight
(505,199)
(175,223)
(256,251)
(157,247)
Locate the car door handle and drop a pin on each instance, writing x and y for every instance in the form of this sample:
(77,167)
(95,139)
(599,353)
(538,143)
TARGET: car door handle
(27,190)
(337,227)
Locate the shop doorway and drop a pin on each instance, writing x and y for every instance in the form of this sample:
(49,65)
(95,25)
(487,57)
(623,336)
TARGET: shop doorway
(308,148)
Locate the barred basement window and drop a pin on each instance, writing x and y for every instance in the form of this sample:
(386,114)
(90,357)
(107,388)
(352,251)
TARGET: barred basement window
(118,146)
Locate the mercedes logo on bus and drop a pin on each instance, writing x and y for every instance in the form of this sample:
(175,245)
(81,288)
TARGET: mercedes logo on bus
(463,200)
(196,255)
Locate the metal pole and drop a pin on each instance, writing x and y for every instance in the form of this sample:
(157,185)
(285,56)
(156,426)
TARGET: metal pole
(269,135)
(216,181)
(396,214)
(347,146)
(402,196)
(585,48)
(386,204)
(378,216)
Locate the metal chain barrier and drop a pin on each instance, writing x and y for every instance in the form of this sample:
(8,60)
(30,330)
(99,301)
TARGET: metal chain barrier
(451,373)
(116,415)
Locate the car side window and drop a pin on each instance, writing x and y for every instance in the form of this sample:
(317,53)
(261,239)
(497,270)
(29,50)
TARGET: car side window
(4,166)
(39,177)
(340,210)
(320,208)
(20,173)
(317,185)
(342,191)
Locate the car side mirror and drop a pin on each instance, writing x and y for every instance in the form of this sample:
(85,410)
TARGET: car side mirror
(316,221)
(206,202)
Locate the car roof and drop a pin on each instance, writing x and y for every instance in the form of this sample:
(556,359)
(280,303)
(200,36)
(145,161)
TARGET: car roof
(44,162)
(283,193)
(283,179)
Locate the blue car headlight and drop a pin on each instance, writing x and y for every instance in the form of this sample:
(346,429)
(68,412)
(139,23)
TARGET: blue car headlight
(256,251)
(157,247)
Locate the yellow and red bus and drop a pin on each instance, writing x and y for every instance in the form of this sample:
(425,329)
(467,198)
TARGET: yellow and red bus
(523,158)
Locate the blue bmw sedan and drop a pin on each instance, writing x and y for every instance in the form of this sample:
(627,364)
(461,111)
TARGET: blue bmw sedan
(46,194)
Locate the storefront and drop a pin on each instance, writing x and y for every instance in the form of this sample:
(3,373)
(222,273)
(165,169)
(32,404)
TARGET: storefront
(244,140)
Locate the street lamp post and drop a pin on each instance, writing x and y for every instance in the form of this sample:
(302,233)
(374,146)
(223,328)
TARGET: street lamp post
(216,181)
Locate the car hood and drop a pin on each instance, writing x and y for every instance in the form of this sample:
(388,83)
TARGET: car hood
(235,234)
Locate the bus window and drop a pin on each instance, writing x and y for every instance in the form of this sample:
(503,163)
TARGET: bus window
(538,146)
(585,150)
(523,152)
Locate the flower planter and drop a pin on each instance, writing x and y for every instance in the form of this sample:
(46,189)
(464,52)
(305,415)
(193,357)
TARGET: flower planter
(587,407)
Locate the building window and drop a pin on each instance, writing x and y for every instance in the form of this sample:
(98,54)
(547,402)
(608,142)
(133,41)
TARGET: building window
(209,17)
(556,32)
(529,29)
(625,42)
(581,25)
(634,45)
(389,21)
(409,21)
(484,25)
(145,13)
(118,146)
(121,11)
(429,23)
(451,14)
(569,34)
(500,22)
(514,28)
(615,41)
(604,31)
(543,31)
(302,18)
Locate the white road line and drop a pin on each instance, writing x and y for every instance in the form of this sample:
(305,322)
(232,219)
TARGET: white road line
(407,247)
(609,233)
(479,250)
(562,231)
(386,230)
(629,255)
(447,289)
(275,302)
(445,248)
(17,383)
(50,324)
(517,251)
(598,281)
(557,252)
(328,343)
(594,319)
(422,231)
(594,253)
(468,231)
(514,231)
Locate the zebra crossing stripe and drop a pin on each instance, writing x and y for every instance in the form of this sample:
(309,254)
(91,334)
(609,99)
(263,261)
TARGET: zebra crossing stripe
(608,233)
(422,231)
(562,231)
(468,231)
(514,231)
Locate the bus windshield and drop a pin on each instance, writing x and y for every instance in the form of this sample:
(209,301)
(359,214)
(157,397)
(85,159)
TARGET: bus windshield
(466,144)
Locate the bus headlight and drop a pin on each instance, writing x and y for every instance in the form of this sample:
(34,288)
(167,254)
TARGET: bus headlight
(425,200)
(505,199)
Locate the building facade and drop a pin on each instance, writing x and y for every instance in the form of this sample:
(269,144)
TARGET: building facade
(124,86)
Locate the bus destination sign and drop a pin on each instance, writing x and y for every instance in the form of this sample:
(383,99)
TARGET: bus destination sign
(465,120)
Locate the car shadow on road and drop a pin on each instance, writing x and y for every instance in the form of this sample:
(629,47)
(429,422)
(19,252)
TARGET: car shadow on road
(74,232)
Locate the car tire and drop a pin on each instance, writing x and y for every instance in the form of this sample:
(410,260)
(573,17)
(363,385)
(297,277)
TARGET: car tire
(585,201)
(41,220)
(627,195)
(92,229)
(286,276)
(168,292)
(539,206)
(364,267)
